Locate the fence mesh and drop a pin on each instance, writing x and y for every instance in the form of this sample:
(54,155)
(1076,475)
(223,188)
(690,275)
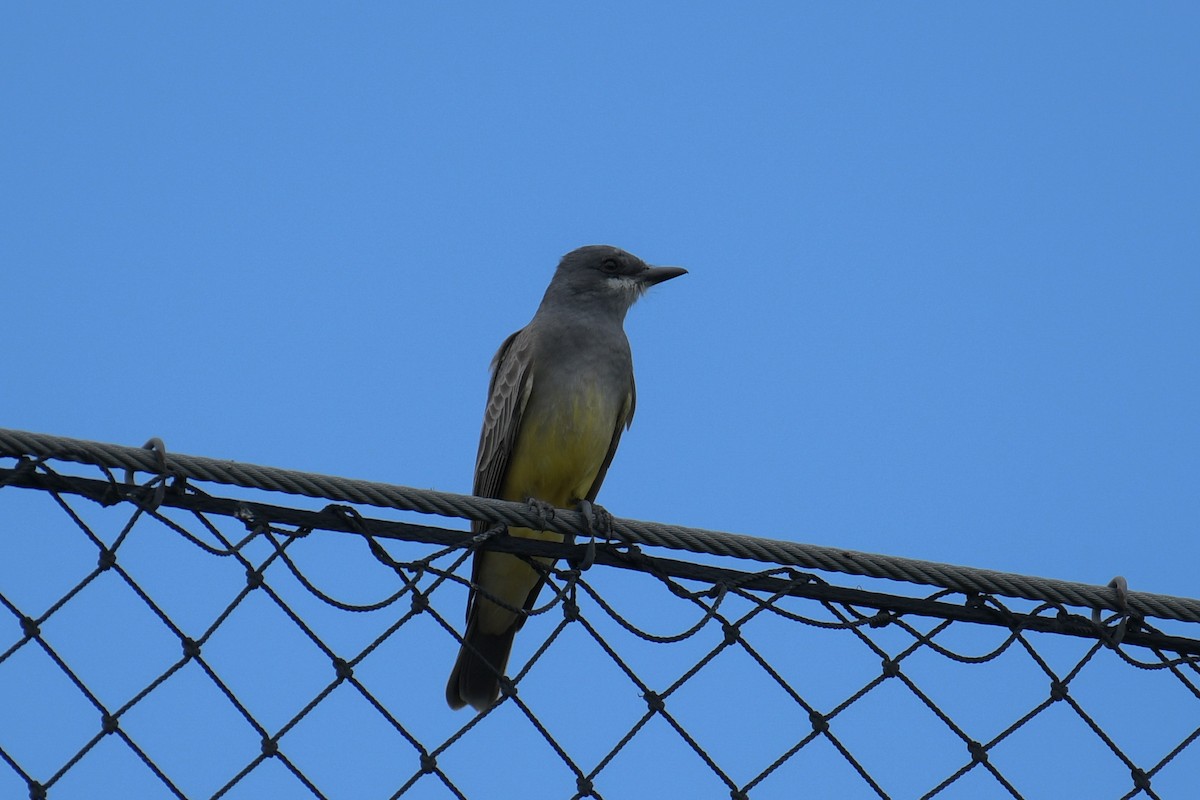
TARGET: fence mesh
(166,641)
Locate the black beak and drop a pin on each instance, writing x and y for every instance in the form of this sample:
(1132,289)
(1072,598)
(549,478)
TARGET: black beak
(653,275)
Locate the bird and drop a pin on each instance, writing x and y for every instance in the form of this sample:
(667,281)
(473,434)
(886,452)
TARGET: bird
(561,394)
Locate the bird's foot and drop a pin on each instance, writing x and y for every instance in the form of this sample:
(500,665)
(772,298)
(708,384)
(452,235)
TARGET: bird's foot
(545,511)
(597,519)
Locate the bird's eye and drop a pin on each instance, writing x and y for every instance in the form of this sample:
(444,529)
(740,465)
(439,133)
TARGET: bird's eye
(609,266)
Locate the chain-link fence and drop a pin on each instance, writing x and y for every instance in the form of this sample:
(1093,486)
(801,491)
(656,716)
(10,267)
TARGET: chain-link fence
(163,641)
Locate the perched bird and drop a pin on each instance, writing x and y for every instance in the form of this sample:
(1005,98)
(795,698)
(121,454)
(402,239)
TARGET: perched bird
(561,394)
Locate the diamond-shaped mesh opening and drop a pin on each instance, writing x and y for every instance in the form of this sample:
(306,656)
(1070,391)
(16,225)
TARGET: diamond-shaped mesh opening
(954,686)
(912,752)
(110,769)
(822,770)
(561,693)
(704,703)
(191,731)
(680,770)
(37,542)
(159,641)
(270,778)
(42,735)
(189,583)
(1148,717)
(112,641)
(368,758)
(267,661)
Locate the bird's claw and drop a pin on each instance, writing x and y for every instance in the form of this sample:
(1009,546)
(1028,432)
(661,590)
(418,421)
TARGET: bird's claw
(544,510)
(597,519)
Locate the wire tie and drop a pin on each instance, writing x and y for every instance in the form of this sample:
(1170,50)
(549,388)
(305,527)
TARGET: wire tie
(1121,588)
(154,445)
(589,555)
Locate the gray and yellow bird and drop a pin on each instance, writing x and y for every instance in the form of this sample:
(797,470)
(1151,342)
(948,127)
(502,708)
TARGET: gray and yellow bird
(561,394)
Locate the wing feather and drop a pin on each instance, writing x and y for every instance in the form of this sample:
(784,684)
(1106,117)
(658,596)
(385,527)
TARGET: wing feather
(508,394)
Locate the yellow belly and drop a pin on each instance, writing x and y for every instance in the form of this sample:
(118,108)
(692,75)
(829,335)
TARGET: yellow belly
(558,454)
(555,459)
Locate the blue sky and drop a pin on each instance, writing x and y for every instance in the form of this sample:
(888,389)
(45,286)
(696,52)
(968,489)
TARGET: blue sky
(944,289)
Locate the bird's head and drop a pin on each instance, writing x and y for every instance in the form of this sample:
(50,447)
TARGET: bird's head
(603,276)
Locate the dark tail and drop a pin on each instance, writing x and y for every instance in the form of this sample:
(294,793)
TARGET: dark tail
(475,679)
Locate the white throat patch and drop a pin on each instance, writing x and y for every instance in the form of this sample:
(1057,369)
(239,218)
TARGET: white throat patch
(629,288)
